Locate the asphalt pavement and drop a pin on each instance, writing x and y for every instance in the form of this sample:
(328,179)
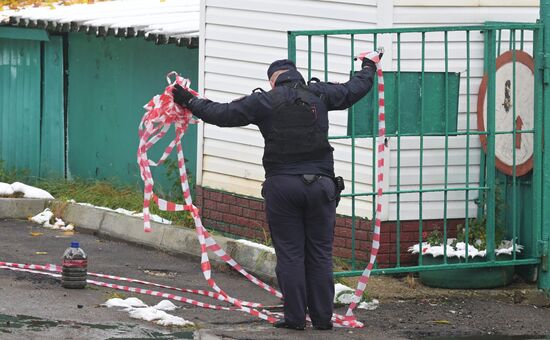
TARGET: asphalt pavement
(34,306)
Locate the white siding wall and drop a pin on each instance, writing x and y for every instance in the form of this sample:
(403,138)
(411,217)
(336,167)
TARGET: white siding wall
(240,38)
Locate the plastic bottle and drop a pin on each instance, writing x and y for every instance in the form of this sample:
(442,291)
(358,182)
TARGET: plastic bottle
(75,267)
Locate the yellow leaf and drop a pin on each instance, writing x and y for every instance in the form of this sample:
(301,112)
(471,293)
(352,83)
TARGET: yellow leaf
(68,233)
(35,233)
(41,253)
(442,322)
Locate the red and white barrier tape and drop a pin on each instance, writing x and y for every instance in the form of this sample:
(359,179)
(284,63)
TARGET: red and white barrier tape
(154,126)
(362,284)
(161,113)
(55,268)
(37,269)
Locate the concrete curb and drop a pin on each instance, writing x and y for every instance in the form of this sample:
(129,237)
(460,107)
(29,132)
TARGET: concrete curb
(171,238)
(21,208)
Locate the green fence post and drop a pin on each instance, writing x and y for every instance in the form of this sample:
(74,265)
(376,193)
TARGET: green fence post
(291,45)
(544,273)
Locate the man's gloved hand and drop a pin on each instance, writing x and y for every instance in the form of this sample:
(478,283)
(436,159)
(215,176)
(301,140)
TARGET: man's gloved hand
(367,61)
(181,95)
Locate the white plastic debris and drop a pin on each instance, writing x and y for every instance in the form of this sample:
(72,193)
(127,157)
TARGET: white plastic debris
(5,189)
(30,191)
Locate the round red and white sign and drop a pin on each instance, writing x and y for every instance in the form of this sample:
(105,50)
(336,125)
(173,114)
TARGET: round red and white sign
(514,109)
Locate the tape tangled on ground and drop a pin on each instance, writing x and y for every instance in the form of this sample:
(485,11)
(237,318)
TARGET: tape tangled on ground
(161,113)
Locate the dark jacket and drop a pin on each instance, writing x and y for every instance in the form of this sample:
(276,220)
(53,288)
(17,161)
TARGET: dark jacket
(257,109)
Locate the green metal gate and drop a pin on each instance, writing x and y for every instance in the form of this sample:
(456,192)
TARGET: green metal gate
(31,101)
(437,104)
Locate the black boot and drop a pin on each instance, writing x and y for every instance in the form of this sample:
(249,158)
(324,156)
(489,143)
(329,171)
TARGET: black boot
(323,326)
(288,325)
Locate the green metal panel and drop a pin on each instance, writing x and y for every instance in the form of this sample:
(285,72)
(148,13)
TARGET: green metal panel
(110,79)
(20,104)
(406,95)
(52,139)
(23,34)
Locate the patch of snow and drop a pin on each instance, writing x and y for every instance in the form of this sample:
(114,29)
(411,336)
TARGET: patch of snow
(68,227)
(371,305)
(165,305)
(124,303)
(154,217)
(139,310)
(6,189)
(159,317)
(146,313)
(30,191)
(90,205)
(127,212)
(343,294)
(172,320)
(346,295)
(43,217)
(506,247)
(256,245)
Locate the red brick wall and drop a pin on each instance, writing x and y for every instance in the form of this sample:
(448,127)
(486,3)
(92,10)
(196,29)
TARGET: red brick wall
(244,216)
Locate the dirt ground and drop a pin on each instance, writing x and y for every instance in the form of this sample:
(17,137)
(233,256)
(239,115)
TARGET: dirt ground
(407,310)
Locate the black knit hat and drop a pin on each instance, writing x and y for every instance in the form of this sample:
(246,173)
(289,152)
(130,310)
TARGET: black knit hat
(283,64)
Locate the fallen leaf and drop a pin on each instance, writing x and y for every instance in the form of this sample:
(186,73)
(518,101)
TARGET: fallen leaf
(41,253)
(68,233)
(35,233)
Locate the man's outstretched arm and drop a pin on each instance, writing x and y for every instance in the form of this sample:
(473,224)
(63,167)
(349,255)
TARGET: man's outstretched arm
(240,112)
(342,96)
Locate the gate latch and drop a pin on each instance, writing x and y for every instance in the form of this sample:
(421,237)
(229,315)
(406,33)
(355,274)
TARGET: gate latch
(545,67)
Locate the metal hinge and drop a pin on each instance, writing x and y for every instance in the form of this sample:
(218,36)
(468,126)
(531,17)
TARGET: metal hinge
(543,253)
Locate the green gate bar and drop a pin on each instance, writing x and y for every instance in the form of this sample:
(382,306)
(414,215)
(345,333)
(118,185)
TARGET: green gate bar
(544,163)
(495,34)
(490,128)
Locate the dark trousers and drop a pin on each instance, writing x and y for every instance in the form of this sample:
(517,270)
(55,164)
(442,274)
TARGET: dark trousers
(301,219)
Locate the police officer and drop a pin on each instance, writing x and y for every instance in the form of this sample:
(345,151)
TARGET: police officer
(300,191)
